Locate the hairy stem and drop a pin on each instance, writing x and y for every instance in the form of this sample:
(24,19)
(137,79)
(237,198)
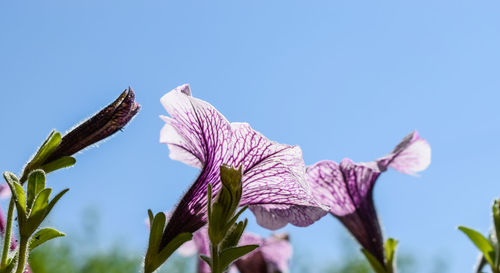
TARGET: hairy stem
(22,255)
(8,231)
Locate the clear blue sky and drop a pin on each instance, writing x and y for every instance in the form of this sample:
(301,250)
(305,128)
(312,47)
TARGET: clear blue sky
(339,78)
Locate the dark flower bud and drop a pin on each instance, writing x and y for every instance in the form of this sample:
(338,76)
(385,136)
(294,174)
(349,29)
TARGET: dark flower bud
(100,126)
(56,152)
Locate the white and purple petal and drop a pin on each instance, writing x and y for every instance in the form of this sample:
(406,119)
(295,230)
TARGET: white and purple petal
(274,185)
(347,188)
(273,180)
(411,155)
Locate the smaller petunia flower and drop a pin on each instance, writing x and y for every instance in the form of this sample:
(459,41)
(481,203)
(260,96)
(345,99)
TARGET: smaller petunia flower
(272,256)
(274,185)
(348,188)
(98,127)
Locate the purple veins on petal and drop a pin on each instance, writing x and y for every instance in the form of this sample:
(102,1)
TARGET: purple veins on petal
(274,185)
(347,188)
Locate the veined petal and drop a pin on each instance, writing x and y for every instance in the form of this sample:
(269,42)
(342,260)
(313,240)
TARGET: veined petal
(197,131)
(347,188)
(274,185)
(273,179)
(411,155)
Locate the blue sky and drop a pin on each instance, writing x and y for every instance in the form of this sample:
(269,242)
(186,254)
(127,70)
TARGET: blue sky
(339,78)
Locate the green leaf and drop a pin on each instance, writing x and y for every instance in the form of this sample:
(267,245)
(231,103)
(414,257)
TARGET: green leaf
(55,199)
(155,259)
(41,202)
(234,234)
(36,183)
(232,254)
(42,236)
(63,162)
(207,260)
(41,209)
(47,148)
(10,178)
(156,232)
(374,263)
(38,212)
(233,220)
(173,246)
(151,217)
(481,243)
(18,194)
(390,252)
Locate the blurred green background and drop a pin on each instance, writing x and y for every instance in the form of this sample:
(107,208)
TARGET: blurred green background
(82,252)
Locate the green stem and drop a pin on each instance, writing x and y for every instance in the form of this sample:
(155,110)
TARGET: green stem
(215,259)
(8,231)
(21,260)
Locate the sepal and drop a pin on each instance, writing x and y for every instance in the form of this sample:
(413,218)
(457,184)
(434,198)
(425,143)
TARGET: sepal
(374,263)
(155,256)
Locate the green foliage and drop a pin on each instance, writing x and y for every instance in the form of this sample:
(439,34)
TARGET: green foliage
(223,230)
(81,253)
(488,247)
(156,256)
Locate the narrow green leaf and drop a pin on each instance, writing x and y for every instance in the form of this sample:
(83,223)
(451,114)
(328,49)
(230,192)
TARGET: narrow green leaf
(151,217)
(41,209)
(233,220)
(37,213)
(36,183)
(44,235)
(56,198)
(47,148)
(173,246)
(481,243)
(155,236)
(234,235)
(10,178)
(20,197)
(207,260)
(156,232)
(63,162)
(155,259)
(374,263)
(390,252)
(41,202)
(12,181)
(232,254)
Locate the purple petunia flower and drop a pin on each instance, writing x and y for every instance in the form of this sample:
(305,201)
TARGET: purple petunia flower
(272,256)
(274,185)
(347,188)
